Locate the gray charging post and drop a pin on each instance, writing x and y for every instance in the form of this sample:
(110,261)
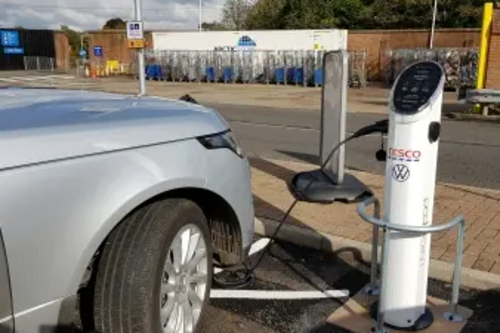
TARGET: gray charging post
(333,113)
(331,183)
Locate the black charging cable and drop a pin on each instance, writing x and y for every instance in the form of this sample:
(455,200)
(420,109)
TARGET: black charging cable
(239,278)
(243,277)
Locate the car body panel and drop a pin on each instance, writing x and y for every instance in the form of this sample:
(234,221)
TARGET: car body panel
(73,205)
(236,188)
(56,125)
(66,186)
(6,319)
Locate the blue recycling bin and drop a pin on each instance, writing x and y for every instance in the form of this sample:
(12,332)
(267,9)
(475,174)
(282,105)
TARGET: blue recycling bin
(228,74)
(290,74)
(147,72)
(318,77)
(210,74)
(152,72)
(279,75)
(160,74)
(299,75)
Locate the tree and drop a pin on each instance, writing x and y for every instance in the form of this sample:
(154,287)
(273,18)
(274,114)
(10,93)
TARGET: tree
(213,26)
(266,14)
(404,14)
(307,14)
(234,14)
(75,39)
(115,24)
(362,14)
(347,14)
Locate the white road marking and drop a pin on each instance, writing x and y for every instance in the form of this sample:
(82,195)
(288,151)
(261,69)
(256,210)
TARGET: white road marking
(63,77)
(37,78)
(7,80)
(256,247)
(278,294)
(25,78)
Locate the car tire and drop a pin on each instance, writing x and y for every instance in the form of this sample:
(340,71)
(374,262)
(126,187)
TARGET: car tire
(142,260)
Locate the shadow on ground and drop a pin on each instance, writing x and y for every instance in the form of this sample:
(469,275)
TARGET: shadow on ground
(313,159)
(344,269)
(291,267)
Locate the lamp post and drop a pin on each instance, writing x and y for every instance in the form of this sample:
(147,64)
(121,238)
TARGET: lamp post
(433,28)
(140,53)
(200,15)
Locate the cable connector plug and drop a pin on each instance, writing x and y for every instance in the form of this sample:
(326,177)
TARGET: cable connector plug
(381,126)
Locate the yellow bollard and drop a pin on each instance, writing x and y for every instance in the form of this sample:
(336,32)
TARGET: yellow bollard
(483,53)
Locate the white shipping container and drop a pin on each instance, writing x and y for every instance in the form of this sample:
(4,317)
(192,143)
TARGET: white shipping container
(255,40)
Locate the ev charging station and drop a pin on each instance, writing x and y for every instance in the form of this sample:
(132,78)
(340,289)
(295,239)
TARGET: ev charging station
(413,129)
(330,182)
(410,177)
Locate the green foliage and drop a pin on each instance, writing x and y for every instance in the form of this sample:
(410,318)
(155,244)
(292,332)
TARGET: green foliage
(350,14)
(75,39)
(213,26)
(115,24)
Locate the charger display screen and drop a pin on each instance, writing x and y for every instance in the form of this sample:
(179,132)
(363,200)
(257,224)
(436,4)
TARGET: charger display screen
(415,87)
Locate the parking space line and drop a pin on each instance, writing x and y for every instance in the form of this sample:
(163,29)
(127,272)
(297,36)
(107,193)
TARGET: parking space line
(256,247)
(25,78)
(63,77)
(278,294)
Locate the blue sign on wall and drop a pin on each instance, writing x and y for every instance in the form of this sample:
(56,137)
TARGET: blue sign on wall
(13,50)
(98,51)
(9,38)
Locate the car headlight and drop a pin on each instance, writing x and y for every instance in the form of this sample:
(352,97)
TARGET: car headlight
(224,140)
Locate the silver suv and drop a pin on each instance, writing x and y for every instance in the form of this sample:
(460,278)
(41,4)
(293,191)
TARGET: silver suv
(115,208)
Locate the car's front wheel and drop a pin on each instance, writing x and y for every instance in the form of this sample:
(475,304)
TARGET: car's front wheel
(155,272)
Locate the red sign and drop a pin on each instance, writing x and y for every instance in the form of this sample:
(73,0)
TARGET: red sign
(405,154)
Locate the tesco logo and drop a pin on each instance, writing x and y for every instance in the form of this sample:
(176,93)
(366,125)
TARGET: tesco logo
(405,154)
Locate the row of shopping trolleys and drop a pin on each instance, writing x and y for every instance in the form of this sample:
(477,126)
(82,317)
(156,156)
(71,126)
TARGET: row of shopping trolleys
(229,74)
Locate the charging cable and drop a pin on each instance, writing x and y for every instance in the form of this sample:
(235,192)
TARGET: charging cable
(232,278)
(243,277)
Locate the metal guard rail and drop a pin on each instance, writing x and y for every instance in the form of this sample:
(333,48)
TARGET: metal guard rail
(377,223)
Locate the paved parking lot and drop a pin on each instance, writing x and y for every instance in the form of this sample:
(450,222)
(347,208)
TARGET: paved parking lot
(291,268)
(294,268)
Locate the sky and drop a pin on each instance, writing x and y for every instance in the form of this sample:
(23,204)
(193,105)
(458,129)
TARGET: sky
(92,14)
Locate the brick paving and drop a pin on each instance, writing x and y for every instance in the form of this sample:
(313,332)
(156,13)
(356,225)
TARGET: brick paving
(481,208)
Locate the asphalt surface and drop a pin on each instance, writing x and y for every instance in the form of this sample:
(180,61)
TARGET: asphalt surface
(469,152)
(293,268)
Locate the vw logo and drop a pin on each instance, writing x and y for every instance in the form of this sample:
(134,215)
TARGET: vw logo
(400,173)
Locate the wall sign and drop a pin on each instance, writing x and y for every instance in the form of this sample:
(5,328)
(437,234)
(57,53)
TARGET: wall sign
(9,38)
(135,30)
(98,51)
(13,50)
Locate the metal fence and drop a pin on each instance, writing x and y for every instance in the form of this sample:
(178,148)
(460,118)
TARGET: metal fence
(39,63)
(460,64)
(302,68)
(357,68)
